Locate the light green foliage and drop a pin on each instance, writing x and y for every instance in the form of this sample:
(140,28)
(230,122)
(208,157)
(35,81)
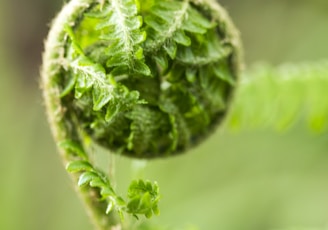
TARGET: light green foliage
(301,228)
(287,94)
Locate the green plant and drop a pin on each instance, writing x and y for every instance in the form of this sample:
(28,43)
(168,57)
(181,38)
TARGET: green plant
(151,79)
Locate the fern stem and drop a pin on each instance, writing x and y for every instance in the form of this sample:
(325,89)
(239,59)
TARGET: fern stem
(279,96)
(62,130)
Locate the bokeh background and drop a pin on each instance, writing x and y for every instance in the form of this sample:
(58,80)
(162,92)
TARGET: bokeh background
(247,180)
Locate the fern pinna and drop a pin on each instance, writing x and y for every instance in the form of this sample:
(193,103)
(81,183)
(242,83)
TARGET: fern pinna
(144,79)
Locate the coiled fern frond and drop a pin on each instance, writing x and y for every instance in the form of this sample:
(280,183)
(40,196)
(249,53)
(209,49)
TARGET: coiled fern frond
(149,87)
(144,79)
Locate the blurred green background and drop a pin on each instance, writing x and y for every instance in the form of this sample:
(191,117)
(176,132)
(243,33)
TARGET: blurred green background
(250,180)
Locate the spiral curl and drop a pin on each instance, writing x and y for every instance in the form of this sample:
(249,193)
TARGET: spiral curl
(144,79)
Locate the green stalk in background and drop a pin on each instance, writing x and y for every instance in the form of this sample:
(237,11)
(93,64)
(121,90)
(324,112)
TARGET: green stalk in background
(279,96)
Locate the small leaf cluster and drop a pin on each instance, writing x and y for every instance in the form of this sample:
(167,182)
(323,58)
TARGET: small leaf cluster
(90,80)
(96,179)
(171,24)
(121,23)
(143,196)
(189,38)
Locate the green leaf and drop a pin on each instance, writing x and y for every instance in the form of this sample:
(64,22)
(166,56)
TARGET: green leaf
(176,74)
(73,147)
(134,23)
(99,14)
(171,49)
(94,79)
(107,191)
(156,210)
(165,20)
(83,85)
(98,183)
(71,35)
(123,100)
(191,74)
(161,60)
(110,206)
(193,27)
(141,68)
(69,87)
(86,178)
(222,71)
(155,23)
(122,26)
(78,166)
(197,18)
(181,38)
(89,73)
(145,202)
(101,97)
(138,37)
(115,48)
(134,205)
(139,54)
(119,201)
(118,59)
(143,198)
(149,214)
(112,110)
(120,70)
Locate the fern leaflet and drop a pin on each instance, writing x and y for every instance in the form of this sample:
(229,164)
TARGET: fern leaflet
(143,196)
(105,91)
(163,29)
(122,24)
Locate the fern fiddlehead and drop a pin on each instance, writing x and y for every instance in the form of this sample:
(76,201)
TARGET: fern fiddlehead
(144,79)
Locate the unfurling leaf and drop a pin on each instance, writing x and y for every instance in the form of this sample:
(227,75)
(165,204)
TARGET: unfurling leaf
(73,147)
(143,198)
